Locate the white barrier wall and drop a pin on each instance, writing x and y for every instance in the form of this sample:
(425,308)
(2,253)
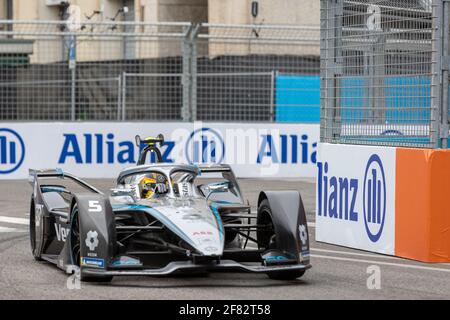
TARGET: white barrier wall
(102,149)
(355,203)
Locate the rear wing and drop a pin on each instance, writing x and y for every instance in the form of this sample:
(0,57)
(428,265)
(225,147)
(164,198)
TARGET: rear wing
(35,175)
(214,168)
(225,171)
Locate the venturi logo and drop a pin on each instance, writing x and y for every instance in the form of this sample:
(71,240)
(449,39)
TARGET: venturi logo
(205,145)
(12,151)
(374,197)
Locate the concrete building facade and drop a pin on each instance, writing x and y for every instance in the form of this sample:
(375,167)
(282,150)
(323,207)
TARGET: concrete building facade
(289,12)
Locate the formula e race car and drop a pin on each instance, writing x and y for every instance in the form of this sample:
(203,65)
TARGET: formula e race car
(162,219)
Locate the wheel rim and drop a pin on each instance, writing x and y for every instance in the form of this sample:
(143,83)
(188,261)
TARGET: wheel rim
(75,246)
(267,235)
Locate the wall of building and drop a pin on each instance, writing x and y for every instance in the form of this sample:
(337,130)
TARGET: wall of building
(286,12)
(280,12)
(297,12)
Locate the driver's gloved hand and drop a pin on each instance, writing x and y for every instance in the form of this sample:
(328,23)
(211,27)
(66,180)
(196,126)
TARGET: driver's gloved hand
(161,188)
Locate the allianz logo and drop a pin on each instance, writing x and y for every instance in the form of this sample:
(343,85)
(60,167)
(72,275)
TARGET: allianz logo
(204,145)
(12,150)
(338,197)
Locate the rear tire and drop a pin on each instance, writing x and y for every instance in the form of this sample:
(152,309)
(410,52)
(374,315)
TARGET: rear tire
(75,248)
(32,231)
(267,241)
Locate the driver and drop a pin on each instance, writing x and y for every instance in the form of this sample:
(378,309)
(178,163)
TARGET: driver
(152,184)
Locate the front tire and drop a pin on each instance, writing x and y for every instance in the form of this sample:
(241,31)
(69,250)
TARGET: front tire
(32,231)
(267,240)
(75,248)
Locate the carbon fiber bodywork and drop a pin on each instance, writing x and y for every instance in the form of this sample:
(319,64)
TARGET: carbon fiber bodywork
(119,234)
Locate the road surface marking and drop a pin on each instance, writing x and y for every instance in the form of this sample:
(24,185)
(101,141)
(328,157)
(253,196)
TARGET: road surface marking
(9,230)
(357,254)
(376,262)
(13,220)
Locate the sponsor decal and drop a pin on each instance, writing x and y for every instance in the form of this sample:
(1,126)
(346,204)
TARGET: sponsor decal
(95,206)
(92,240)
(12,151)
(290,149)
(305,254)
(205,145)
(337,196)
(211,249)
(303,233)
(104,149)
(202,233)
(92,262)
(126,261)
(275,258)
(61,232)
(374,198)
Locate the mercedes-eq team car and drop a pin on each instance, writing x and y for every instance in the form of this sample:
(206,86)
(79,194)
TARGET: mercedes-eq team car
(163,219)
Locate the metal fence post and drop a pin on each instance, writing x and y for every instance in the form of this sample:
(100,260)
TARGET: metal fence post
(329,72)
(72,67)
(273,77)
(323,65)
(193,73)
(436,73)
(444,132)
(119,96)
(186,77)
(124,95)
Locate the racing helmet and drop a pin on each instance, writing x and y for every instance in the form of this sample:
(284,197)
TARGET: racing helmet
(147,186)
(150,183)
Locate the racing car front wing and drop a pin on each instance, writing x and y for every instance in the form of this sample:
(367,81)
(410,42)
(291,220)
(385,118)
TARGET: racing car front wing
(190,267)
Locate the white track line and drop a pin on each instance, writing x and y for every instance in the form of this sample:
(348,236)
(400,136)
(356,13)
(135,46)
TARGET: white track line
(12,220)
(381,256)
(9,230)
(376,262)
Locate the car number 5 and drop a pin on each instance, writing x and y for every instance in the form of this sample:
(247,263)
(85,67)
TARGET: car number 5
(95,206)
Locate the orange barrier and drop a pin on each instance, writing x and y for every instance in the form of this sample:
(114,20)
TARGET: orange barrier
(422,219)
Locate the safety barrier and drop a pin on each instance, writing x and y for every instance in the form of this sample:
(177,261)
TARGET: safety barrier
(385,199)
(103,149)
(385,91)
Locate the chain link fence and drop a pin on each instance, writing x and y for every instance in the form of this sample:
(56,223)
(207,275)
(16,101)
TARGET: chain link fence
(382,65)
(243,72)
(50,70)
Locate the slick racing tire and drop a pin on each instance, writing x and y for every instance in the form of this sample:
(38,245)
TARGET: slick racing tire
(75,248)
(267,240)
(34,250)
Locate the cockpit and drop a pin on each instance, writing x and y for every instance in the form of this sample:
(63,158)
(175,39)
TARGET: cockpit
(176,181)
(152,183)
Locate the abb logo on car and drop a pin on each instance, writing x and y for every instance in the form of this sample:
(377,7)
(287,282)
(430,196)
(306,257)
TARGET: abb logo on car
(202,233)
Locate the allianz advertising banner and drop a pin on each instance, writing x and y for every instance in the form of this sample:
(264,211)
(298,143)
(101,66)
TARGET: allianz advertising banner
(355,205)
(102,149)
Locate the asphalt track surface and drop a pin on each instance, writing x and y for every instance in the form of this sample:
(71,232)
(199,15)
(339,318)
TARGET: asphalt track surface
(337,273)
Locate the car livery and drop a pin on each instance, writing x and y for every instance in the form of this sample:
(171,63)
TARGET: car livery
(196,221)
